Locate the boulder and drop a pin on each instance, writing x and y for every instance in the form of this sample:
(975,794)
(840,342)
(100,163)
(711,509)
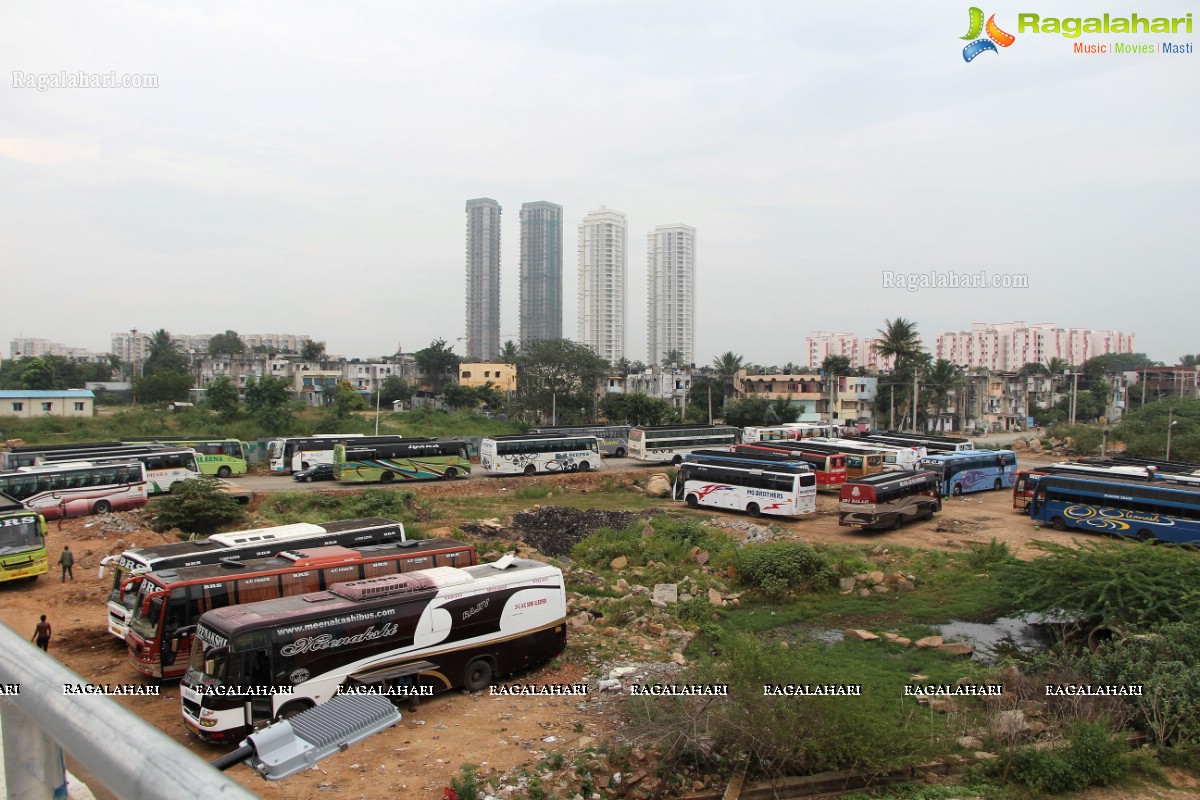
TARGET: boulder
(928,642)
(955,648)
(658,485)
(859,634)
(847,584)
(1009,723)
(620,562)
(714,598)
(666,593)
(970,743)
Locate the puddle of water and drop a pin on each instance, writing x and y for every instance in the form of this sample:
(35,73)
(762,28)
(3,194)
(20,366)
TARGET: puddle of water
(993,641)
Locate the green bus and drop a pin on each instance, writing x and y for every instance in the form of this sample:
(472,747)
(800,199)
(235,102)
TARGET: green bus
(216,455)
(22,542)
(415,459)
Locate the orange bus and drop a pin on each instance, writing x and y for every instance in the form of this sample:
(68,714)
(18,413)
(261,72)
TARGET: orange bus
(169,602)
(830,468)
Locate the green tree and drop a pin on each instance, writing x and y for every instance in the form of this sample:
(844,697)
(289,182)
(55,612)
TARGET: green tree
(198,506)
(227,343)
(559,379)
(636,408)
(747,411)
(222,397)
(704,388)
(458,396)
(439,363)
(1144,430)
(36,374)
(673,358)
(394,388)
(836,365)
(939,383)
(165,356)
(899,340)
(1189,361)
(268,399)
(163,386)
(313,351)
(725,369)
(780,410)
(509,352)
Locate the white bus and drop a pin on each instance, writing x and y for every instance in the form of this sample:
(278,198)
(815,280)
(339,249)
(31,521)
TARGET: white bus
(672,442)
(614,439)
(293,453)
(440,628)
(756,484)
(895,457)
(531,453)
(165,466)
(75,489)
(807,430)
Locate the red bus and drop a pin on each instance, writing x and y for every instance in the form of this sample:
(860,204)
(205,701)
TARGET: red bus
(170,601)
(1023,488)
(830,468)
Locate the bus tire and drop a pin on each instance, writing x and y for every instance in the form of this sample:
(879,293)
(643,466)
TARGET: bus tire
(928,512)
(957,490)
(1058,524)
(478,675)
(584,466)
(292,709)
(997,485)
(753,510)
(450,474)
(1145,535)
(224,472)
(386,477)
(620,452)
(530,470)
(693,501)
(102,507)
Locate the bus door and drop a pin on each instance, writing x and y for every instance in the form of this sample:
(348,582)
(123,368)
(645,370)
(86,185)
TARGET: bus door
(256,671)
(176,638)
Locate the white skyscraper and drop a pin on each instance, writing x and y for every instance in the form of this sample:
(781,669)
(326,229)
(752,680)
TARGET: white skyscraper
(671,293)
(483,279)
(602,283)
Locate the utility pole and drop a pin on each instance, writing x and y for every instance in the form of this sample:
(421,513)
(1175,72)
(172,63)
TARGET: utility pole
(710,422)
(378,392)
(1170,425)
(1143,386)
(892,408)
(916,428)
(1074,394)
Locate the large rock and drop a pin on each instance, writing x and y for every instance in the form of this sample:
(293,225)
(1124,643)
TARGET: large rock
(955,648)
(928,642)
(715,598)
(859,634)
(1009,723)
(666,593)
(620,562)
(846,584)
(658,485)
(1035,445)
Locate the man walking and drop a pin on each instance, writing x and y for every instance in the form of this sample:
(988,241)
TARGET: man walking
(41,634)
(67,560)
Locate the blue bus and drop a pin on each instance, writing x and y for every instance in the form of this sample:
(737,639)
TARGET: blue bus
(973,470)
(1146,511)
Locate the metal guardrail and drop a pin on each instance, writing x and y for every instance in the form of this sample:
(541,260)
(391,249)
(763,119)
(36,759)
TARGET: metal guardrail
(130,757)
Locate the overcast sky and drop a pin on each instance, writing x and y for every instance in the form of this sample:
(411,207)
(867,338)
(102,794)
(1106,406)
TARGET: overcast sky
(303,167)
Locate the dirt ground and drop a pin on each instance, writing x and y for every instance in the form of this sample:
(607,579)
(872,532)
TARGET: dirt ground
(416,758)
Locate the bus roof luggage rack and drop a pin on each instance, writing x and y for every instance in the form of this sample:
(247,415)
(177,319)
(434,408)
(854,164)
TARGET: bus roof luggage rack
(384,586)
(295,744)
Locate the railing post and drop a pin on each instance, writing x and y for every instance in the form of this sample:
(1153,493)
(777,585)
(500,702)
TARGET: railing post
(33,763)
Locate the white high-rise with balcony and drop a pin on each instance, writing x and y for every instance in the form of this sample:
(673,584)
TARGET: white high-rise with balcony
(671,293)
(602,283)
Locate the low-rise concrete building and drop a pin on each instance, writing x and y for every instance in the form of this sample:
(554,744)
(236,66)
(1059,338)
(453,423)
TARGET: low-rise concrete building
(28,403)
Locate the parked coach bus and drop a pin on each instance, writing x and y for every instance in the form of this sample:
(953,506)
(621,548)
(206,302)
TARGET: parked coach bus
(254,543)
(530,453)
(757,483)
(441,627)
(673,442)
(22,542)
(973,470)
(165,466)
(27,455)
(216,455)
(76,489)
(895,457)
(830,468)
(889,499)
(614,439)
(1026,481)
(293,453)
(859,463)
(1143,510)
(931,443)
(170,602)
(416,459)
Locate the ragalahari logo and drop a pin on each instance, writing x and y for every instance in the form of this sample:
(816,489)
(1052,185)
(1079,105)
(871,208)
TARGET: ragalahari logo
(995,36)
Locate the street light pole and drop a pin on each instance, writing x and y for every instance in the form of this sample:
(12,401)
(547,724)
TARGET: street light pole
(1170,424)
(378,392)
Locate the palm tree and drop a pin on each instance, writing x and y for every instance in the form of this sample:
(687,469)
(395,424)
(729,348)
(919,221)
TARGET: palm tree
(509,353)
(939,382)
(898,340)
(726,367)
(672,358)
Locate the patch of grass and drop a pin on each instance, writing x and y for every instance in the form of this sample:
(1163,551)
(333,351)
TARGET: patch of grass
(532,492)
(403,505)
(671,542)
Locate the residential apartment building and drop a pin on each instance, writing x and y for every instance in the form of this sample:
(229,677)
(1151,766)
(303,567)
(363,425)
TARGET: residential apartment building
(602,283)
(483,279)
(1008,346)
(672,385)
(671,293)
(541,271)
(819,345)
(24,347)
(502,377)
(30,403)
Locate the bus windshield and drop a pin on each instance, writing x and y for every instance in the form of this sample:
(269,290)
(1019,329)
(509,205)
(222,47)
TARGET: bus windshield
(20,533)
(146,625)
(207,665)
